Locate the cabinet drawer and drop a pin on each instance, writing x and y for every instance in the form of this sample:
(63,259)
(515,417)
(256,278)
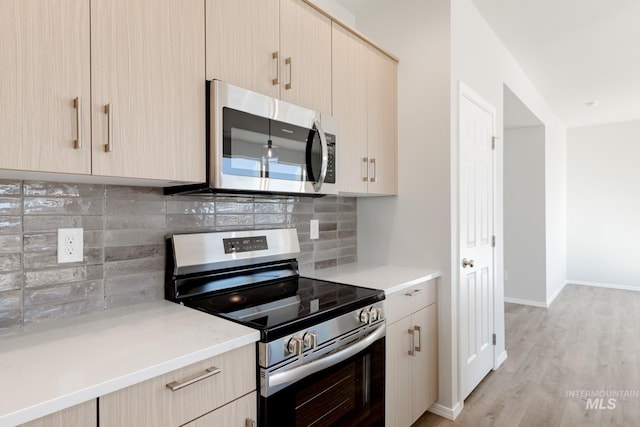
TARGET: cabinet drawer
(152,403)
(409,300)
(239,413)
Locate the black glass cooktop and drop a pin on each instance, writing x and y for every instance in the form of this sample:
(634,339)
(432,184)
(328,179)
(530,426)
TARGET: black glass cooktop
(281,308)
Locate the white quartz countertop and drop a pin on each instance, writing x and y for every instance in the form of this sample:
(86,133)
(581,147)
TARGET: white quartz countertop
(388,278)
(49,367)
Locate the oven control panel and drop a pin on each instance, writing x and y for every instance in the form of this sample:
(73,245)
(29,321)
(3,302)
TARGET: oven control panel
(245,244)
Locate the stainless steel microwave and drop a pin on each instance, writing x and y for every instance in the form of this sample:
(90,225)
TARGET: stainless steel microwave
(262,144)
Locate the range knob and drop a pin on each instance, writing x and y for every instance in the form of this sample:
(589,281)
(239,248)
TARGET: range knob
(295,346)
(365,316)
(373,314)
(310,340)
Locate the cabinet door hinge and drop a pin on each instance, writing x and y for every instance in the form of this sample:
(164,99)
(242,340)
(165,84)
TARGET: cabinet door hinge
(494,339)
(493,142)
(493,241)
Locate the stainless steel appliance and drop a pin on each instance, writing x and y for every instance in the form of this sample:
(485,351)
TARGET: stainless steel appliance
(321,354)
(261,144)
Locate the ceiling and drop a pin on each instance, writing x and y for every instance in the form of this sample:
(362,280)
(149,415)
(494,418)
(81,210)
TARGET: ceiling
(574,52)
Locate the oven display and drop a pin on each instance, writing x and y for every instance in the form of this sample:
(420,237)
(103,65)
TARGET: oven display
(245,244)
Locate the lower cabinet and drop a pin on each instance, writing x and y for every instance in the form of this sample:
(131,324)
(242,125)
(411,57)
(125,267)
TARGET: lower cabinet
(411,355)
(84,414)
(220,388)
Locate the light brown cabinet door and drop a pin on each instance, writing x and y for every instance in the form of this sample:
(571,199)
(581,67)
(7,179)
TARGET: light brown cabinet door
(44,66)
(305,46)
(148,67)
(425,363)
(243,44)
(349,70)
(382,117)
(84,414)
(398,378)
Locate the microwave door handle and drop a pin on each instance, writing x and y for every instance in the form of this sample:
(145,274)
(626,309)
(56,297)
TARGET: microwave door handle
(325,156)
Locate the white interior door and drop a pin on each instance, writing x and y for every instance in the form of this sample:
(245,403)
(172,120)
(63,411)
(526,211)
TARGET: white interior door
(476,216)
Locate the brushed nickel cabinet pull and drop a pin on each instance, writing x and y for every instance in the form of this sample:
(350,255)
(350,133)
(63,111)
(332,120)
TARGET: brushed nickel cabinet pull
(276,55)
(413,292)
(289,63)
(419,330)
(77,144)
(108,110)
(209,372)
(365,162)
(375,171)
(412,346)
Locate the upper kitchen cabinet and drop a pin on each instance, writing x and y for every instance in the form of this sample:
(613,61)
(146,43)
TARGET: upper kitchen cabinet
(148,89)
(44,86)
(281,48)
(365,103)
(243,44)
(305,44)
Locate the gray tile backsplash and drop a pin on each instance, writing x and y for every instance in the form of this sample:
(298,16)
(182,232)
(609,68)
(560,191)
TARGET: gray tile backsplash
(124,241)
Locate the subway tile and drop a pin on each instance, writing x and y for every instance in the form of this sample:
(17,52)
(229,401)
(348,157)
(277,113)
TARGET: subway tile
(270,207)
(134,297)
(10,319)
(10,262)
(328,235)
(305,207)
(10,243)
(10,300)
(10,187)
(40,242)
(320,265)
(326,217)
(347,208)
(62,275)
(133,237)
(63,206)
(347,225)
(10,206)
(123,253)
(323,208)
(347,259)
(134,193)
(137,266)
(10,224)
(10,281)
(328,226)
(187,223)
(321,245)
(349,250)
(124,222)
(302,218)
(42,313)
(234,207)
(276,219)
(132,283)
(346,234)
(59,189)
(328,254)
(63,293)
(234,220)
(135,207)
(52,223)
(186,207)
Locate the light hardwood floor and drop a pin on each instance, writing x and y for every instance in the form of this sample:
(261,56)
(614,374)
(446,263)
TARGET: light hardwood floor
(588,340)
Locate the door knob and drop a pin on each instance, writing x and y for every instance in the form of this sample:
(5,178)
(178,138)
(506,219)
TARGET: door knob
(467,263)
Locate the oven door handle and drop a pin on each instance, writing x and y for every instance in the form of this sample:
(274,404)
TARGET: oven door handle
(299,372)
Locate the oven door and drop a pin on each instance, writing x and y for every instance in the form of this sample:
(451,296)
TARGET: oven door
(349,392)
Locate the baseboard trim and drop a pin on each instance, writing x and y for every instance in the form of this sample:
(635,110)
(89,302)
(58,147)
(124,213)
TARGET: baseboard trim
(604,285)
(526,302)
(555,294)
(501,358)
(446,412)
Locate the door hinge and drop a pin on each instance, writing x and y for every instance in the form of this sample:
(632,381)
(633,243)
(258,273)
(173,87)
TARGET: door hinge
(494,339)
(493,241)
(493,142)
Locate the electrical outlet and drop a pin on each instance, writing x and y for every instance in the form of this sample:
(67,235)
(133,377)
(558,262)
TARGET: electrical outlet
(70,243)
(314,229)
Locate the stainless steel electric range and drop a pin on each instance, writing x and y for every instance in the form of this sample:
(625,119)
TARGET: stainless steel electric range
(321,357)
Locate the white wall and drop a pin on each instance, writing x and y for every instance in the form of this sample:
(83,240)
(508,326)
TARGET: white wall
(524,216)
(604,205)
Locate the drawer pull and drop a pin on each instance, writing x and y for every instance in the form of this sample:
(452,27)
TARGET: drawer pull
(413,292)
(209,372)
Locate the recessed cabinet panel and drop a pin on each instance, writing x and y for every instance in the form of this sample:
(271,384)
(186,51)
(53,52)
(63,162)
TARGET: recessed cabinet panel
(243,44)
(148,103)
(44,66)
